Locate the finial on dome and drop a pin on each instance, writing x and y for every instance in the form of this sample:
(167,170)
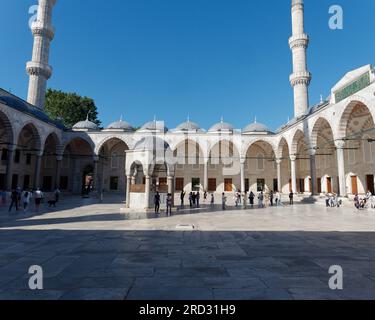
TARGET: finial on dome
(121,118)
(188,118)
(255,120)
(321,98)
(154,117)
(87,116)
(222,119)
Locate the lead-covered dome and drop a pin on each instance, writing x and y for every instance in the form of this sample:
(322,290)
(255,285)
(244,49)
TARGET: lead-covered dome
(120,125)
(256,127)
(188,126)
(221,127)
(154,126)
(86,125)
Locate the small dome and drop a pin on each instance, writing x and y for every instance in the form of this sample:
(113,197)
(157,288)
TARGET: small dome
(120,125)
(154,126)
(85,125)
(150,143)
(188,126)
(256,127)
(221,126)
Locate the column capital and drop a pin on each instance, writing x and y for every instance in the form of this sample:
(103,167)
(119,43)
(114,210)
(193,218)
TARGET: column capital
(95,158)
(340,144)
(278,160)
(59,157)
(293,157)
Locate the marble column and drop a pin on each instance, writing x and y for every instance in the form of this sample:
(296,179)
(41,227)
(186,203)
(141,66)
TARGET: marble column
(279,182)
(127,198)
(96,178)
(58,171)
(340,144)
(205,175)
(9,170)
(314,189)
(293,159)
(242,169)
(147,191)
(38,163)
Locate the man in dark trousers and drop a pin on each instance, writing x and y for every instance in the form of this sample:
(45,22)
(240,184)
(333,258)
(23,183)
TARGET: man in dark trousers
(14,200)
(291,196)
(182,197)
(157,202)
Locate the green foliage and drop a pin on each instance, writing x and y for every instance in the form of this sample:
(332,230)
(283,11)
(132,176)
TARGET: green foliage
(70,108)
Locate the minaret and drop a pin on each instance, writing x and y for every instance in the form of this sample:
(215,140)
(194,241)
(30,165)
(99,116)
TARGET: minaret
(300,79)
(38,69)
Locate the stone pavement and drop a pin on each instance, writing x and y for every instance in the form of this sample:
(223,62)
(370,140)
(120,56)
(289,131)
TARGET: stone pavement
(89,251)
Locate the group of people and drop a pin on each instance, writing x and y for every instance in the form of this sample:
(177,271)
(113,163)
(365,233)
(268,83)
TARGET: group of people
(332,200)
(366,202)
(21,199)
(168,203)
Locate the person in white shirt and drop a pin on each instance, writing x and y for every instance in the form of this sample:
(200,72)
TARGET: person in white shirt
(26,199)
(38,195)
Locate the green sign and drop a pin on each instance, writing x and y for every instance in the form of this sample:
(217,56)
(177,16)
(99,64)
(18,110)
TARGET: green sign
(359,84)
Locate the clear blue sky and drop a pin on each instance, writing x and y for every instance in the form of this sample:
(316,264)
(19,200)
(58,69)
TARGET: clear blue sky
(206,58)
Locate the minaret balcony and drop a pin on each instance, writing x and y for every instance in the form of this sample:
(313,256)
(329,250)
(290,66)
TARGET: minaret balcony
(300,78)
(300,40)
(38,69)
(41,30)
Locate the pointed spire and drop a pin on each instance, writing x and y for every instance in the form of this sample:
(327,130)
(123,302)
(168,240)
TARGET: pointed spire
(321,98)
(222,119)
(188,118)
(255,120)
(87,116)
(121,118)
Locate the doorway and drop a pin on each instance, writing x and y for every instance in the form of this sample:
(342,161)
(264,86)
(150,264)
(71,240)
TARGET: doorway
(354,184)
(370,183)
(329,184)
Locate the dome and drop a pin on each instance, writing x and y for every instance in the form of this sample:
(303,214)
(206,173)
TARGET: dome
(188,126)
(256,127)
(221,126)
(85,125)
(151,144)
(120,125)
(154,126)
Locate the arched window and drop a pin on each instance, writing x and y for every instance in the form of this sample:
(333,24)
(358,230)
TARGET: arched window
(260,161)
(114,160)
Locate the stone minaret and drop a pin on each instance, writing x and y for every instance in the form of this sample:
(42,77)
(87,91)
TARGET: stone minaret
(38,69)
(300,79)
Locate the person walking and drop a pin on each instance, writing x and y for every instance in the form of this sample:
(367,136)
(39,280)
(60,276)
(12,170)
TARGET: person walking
(198,196)
(19,195)
(223,201)
(212,202)
(205,196)
(38,197)
(191,199)
(291,198)
(157,202)
(260,199)
(26,200)
(57,195)
(3,197)
(271,198)
(169,204)
(182,198)
(13,200)
(251,199)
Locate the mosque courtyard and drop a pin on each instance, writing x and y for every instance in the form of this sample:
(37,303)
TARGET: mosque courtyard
(88,250)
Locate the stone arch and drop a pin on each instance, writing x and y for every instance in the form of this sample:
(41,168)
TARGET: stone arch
(100,145)
(198,151)
(30,133)
(353,107)
(79,137)
(266,141)
(320,123)
(7,128)
(283,143)
(297,137)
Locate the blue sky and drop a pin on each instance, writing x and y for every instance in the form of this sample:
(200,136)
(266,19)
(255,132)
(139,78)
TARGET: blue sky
(171,58)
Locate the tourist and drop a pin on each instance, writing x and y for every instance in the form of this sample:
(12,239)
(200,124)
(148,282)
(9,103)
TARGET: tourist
(277,198)
(57,195)
(182,198)
(205,196)
(369,199)
(328,199)
(13,200)
(260,199)
(19,194)
(169,204)
(191,199)
(291,198)
(26,200)
(212,202)
(194,198)
(356,202)
(223,201)
(271,198)
(157,202)
(38,197)
(3,197)
(198,196)
(236,201)
(251,199)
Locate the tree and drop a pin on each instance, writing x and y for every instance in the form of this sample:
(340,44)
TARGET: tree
(70,108)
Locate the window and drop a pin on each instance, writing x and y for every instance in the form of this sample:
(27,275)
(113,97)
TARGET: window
(260,162)
(195,184)
(64,182)
(114,160)
(179,184)
(211,185)
(247,185)
(113,183)
(4,155)
(17,156)
(260,184)
(228,185)
(28,159)
(26,182)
